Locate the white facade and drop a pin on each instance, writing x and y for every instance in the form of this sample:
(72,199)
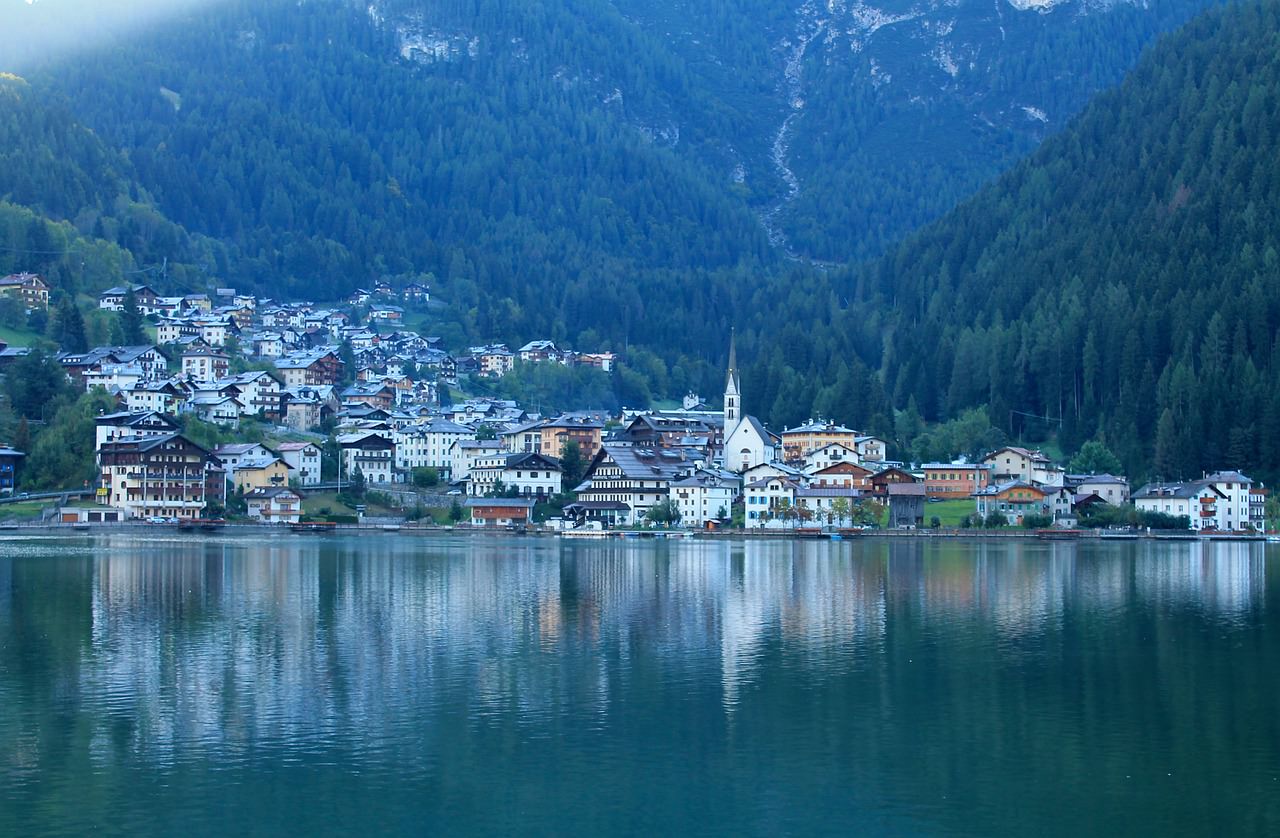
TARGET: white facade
(527,475)
(765,501)
(142,398)
(1224,501)
(871,448)
(702,498)
(464,452)
(829,455)
(117,376)
(274,506)
(1113,490)
(303,460)
(747,446)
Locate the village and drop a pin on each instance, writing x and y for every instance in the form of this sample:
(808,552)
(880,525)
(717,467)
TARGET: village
(350,410)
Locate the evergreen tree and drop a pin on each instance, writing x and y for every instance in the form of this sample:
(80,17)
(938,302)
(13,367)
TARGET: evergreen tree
(69,326)
(131,320)
(1095,458)
(571,464)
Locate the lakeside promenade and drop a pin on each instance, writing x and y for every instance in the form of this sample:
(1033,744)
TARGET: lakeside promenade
(410,528)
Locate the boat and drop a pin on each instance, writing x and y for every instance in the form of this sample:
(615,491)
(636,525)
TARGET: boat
(585,534)
(1056,534)
(314,526)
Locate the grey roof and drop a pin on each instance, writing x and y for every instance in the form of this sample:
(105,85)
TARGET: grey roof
(479,443)
(705,480)
(1096,478)
(828,492)
(997,488)
(444,426)
(764,481)
(1186,490)
(531,460)
(820,427)
(258,462)
(237,448)
(271,492)
(639,463)
(515,503)
(130,418)
(1228,477)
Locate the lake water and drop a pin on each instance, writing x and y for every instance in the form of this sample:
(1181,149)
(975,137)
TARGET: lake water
(303,684)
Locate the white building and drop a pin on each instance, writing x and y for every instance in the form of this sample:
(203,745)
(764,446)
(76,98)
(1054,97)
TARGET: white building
(464,453)
(529,475)
(373,454)
(303,459)
(1223,501)
(114,426)
(704,496)
(1114,490)
(769,502)
(829,455)
(746,442)
(202,364)
(871,449)
(276,505)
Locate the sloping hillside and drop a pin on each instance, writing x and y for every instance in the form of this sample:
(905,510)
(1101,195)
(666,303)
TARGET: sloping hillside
(1125,280)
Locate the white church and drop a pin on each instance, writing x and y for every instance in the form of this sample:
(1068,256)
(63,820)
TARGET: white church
(746,442)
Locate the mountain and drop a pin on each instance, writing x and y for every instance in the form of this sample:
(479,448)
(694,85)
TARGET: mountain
(636,174)
(1124,281)
(880,116)
(533,146)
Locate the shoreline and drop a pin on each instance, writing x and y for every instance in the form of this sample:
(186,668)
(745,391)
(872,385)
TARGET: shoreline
(1091,536)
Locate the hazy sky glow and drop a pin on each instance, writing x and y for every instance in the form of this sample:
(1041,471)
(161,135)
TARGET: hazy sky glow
(31,30)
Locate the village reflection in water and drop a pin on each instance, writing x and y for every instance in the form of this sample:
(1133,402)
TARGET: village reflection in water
(403,655)
(235,639)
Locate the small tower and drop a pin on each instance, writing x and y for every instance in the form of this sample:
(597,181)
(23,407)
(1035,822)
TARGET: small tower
(732,390)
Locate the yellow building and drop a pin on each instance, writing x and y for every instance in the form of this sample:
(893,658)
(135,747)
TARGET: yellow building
(260,474)
(798,442)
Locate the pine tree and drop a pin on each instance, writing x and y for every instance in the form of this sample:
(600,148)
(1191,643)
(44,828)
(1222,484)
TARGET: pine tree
(131,320)
(69,326)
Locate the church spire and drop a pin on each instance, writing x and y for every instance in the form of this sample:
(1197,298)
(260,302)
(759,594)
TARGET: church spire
(732,389)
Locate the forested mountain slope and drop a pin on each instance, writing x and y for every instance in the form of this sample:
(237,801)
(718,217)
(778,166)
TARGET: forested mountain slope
(887,113)
(529,151)
(57,169)
(1123,281)
(597,173)
(328,144)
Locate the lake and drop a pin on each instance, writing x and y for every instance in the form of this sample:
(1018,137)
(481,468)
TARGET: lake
(304,684)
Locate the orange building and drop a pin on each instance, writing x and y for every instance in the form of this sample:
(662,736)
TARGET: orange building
(799,441)
(586,432)
(955,480)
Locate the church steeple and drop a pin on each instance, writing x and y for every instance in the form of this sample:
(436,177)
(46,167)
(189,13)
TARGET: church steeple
(732,389)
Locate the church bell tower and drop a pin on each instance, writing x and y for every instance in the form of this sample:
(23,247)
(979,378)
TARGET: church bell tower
(732,390)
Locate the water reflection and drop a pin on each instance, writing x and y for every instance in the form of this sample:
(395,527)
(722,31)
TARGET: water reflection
(397,650)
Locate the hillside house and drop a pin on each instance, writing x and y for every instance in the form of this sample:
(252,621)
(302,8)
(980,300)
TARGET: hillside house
(28,288)
(303,459)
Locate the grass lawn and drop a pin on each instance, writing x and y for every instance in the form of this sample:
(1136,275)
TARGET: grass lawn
(315,501)
(950,512)
(17,337)
(22,511)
